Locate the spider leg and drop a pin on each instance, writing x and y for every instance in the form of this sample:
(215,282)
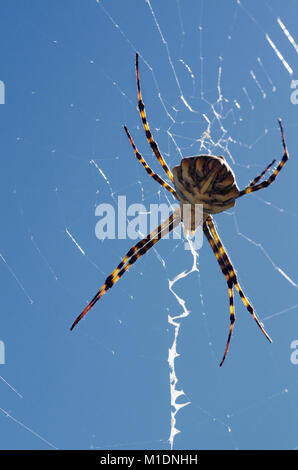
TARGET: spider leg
(150,172)
(233,276)
(149,136)
(255,181)
(255,187)
(225,272)
(131,257)
(232,320)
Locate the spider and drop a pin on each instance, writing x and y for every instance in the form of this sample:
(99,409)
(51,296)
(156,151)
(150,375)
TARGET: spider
(202,179)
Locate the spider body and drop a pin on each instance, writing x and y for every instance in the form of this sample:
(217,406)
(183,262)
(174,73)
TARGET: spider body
(202,179)
(206,180)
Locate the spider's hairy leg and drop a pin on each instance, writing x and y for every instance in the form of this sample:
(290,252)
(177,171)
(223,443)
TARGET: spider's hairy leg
(232,275)
(149,136)
(225,272)
(255,187)
(150,172)
(131,257)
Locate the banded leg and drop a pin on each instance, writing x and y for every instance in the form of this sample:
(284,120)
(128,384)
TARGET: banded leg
(255,187)
(255,181)
(225,272)
(131,257)
(233,276)
(150,172)
(149,136)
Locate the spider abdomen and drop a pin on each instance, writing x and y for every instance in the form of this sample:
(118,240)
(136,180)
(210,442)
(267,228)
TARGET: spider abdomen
(206,180)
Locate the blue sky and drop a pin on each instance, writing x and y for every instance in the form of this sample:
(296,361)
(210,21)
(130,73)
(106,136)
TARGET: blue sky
(68,70)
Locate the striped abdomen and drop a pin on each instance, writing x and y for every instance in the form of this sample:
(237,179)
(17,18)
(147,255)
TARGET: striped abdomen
(206,180)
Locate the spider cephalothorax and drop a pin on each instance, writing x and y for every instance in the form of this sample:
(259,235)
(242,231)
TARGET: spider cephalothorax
(206,180)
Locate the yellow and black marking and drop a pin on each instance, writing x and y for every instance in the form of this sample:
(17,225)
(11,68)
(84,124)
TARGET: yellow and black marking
(257,178)
(149,136)
(232,275)
(150,172)
(225,271)
(255,187)
(131,257)
(232,321)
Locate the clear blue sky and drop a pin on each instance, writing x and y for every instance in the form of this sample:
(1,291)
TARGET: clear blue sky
(68,69)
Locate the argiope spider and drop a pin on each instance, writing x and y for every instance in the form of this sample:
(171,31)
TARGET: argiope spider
(202,179)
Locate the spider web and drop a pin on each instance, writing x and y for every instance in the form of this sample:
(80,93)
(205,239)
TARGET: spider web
(141,371)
